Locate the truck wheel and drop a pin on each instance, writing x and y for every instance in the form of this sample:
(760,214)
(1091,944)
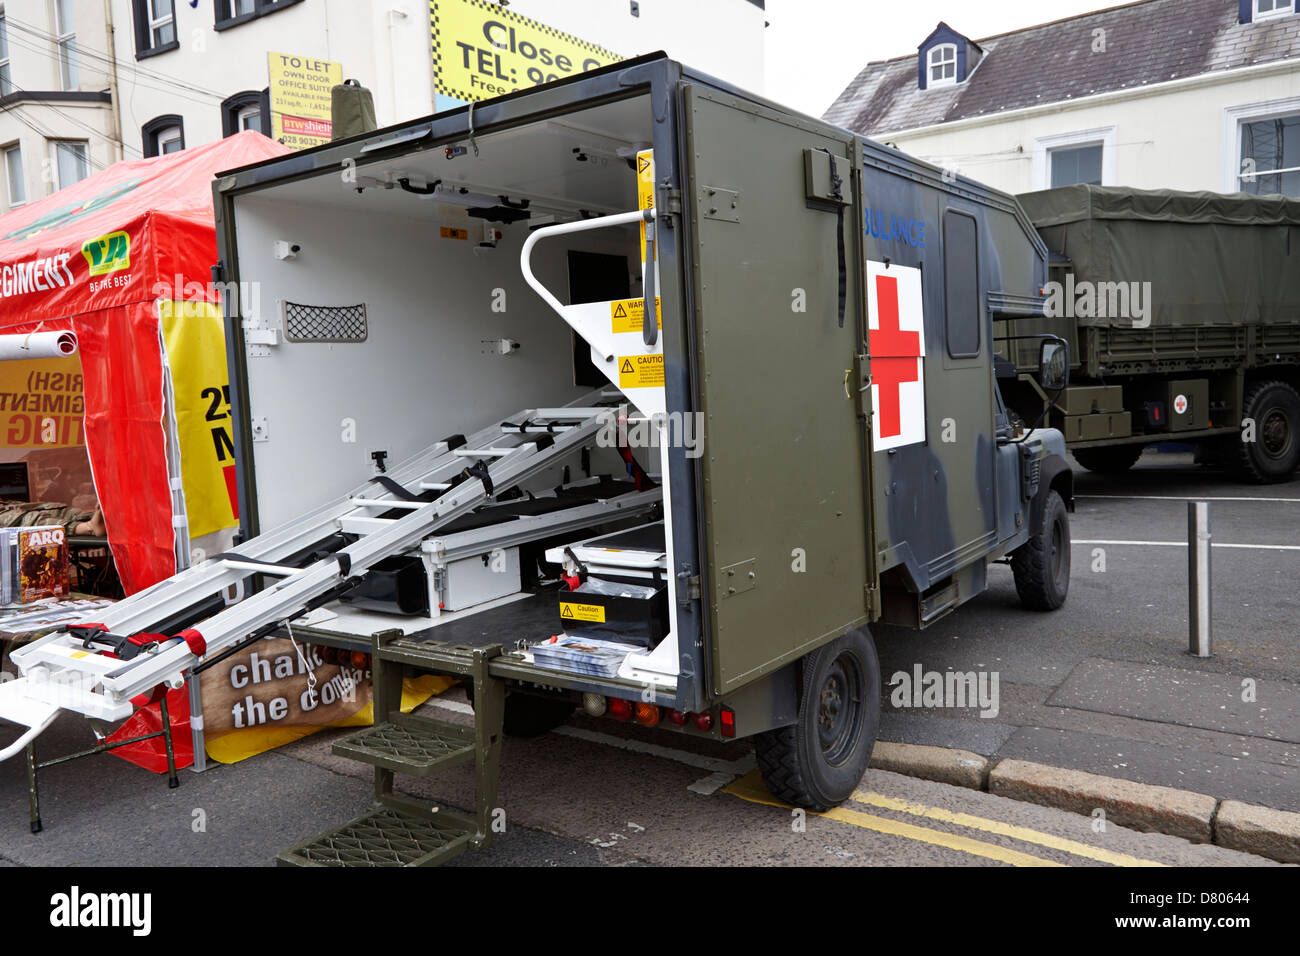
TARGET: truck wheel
(1042,564)
(1275,452)
(1114,460)
(528,715)
(819,761)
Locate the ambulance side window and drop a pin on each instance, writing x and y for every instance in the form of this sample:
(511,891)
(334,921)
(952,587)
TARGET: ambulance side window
(961,284)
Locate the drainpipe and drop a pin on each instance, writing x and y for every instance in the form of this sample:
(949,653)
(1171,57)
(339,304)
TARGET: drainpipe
(115,110)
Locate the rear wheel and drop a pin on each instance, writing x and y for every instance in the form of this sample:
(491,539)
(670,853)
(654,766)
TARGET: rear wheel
(528,715)
(1042,564)
(1274,408)
(818,761)
(1114,460)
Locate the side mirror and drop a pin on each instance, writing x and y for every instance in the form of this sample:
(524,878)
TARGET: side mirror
(1054,365)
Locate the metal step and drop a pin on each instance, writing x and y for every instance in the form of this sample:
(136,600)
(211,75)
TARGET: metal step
(382,837)
(409,744)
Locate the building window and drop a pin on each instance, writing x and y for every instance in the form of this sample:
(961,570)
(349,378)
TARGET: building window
(65,39)
(942,61)
(234,12)
(1076,165)
(247,110)
(14,176)
(163,135)
(1069,159)
(1270,156)
(71,163)
(155,26)
(6,86)
(1273,8)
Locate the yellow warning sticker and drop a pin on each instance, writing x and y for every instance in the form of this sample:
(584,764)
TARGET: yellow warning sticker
(626,315)
(640,371)
(645,188)
(79,654)
(570,611)
(447,232)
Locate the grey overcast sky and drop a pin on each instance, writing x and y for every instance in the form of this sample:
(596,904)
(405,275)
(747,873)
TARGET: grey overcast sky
(815,47)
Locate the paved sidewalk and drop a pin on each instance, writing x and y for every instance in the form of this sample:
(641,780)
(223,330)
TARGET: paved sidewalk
(1105,684)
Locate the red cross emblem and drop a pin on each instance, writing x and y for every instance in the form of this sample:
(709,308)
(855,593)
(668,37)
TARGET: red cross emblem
(894,357)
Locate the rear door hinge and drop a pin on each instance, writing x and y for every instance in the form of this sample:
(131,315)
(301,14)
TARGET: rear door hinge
(688,588)
(672,200)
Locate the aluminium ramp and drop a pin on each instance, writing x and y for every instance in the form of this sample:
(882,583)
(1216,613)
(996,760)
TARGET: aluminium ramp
(96,669)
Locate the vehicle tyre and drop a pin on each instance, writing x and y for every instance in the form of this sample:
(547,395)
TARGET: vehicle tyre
(1114,460)
(1275,452)
(1042,564)
(818,761)
(528,715)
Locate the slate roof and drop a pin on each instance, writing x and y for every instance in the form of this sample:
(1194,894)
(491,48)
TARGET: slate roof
(1148,42)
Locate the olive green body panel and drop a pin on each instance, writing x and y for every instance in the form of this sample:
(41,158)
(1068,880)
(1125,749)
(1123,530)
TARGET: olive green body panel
(783,480)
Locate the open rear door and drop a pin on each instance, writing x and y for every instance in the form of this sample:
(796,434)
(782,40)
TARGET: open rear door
(784,484)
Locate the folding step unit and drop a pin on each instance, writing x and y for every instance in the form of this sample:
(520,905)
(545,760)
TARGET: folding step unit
(399,830)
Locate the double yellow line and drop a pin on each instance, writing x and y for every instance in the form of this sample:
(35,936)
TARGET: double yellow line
(750,787)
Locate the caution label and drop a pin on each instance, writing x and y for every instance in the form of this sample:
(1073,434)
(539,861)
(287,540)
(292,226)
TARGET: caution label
(640,371)
(447,232)
(570,611)
(626,315)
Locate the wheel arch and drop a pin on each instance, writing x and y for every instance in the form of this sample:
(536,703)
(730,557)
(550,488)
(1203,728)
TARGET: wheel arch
(1055,475)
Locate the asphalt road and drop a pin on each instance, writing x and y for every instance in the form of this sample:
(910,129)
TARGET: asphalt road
(1102,685)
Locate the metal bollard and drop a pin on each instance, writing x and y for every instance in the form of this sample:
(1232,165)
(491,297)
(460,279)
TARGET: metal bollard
(1198,578)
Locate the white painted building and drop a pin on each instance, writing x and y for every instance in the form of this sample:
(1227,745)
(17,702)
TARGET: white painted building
(156,75)
(1176,94)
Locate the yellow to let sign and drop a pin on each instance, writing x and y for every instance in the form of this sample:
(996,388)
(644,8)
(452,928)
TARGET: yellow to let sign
(571,611)
(627,315)
(640,371)
(481,50)
(301,99)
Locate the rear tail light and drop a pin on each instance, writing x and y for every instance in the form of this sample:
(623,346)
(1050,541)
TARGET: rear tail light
(620,709)
(677,718)
(361,660)
(594,704)
(647,715)
(728,722)
(704,722)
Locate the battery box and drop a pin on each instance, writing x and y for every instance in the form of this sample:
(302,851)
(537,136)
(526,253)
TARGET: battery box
(617,611)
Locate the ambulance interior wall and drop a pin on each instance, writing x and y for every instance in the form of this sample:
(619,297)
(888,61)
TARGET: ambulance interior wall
(428,368)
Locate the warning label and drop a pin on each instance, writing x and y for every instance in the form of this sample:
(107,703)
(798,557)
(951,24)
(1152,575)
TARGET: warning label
(626,315)
(645,188)
(640,371)
(582,612)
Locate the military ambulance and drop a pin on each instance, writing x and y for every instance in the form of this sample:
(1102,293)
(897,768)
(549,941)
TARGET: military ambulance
(466,322)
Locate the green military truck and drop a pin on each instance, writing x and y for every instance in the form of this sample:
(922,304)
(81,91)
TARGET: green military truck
(631,392)
(1182,311)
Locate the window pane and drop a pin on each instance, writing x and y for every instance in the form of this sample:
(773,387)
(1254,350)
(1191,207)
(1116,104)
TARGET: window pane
(4,38)
(73,165)
(1076,165)
(68,64)
(164,34)
(6,87)
(1268,145)
(250,117)
(162,8)
(14,173)
(961,284)
(63,19)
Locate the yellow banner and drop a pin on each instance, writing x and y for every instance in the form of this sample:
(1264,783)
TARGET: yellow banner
(301,106)
(481,50)
(41,403)
(195,338)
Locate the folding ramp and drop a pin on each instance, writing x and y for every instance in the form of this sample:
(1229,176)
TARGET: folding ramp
(155,638)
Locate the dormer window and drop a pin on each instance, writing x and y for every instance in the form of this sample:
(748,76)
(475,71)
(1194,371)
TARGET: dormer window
(943,65)
(1273,8)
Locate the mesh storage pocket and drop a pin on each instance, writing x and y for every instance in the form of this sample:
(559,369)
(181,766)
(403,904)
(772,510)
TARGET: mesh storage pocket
(324,323)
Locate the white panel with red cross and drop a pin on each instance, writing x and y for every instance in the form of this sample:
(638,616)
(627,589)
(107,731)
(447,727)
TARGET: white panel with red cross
(897,347)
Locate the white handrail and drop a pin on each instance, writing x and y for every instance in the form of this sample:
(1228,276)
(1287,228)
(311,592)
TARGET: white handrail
(581,225)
